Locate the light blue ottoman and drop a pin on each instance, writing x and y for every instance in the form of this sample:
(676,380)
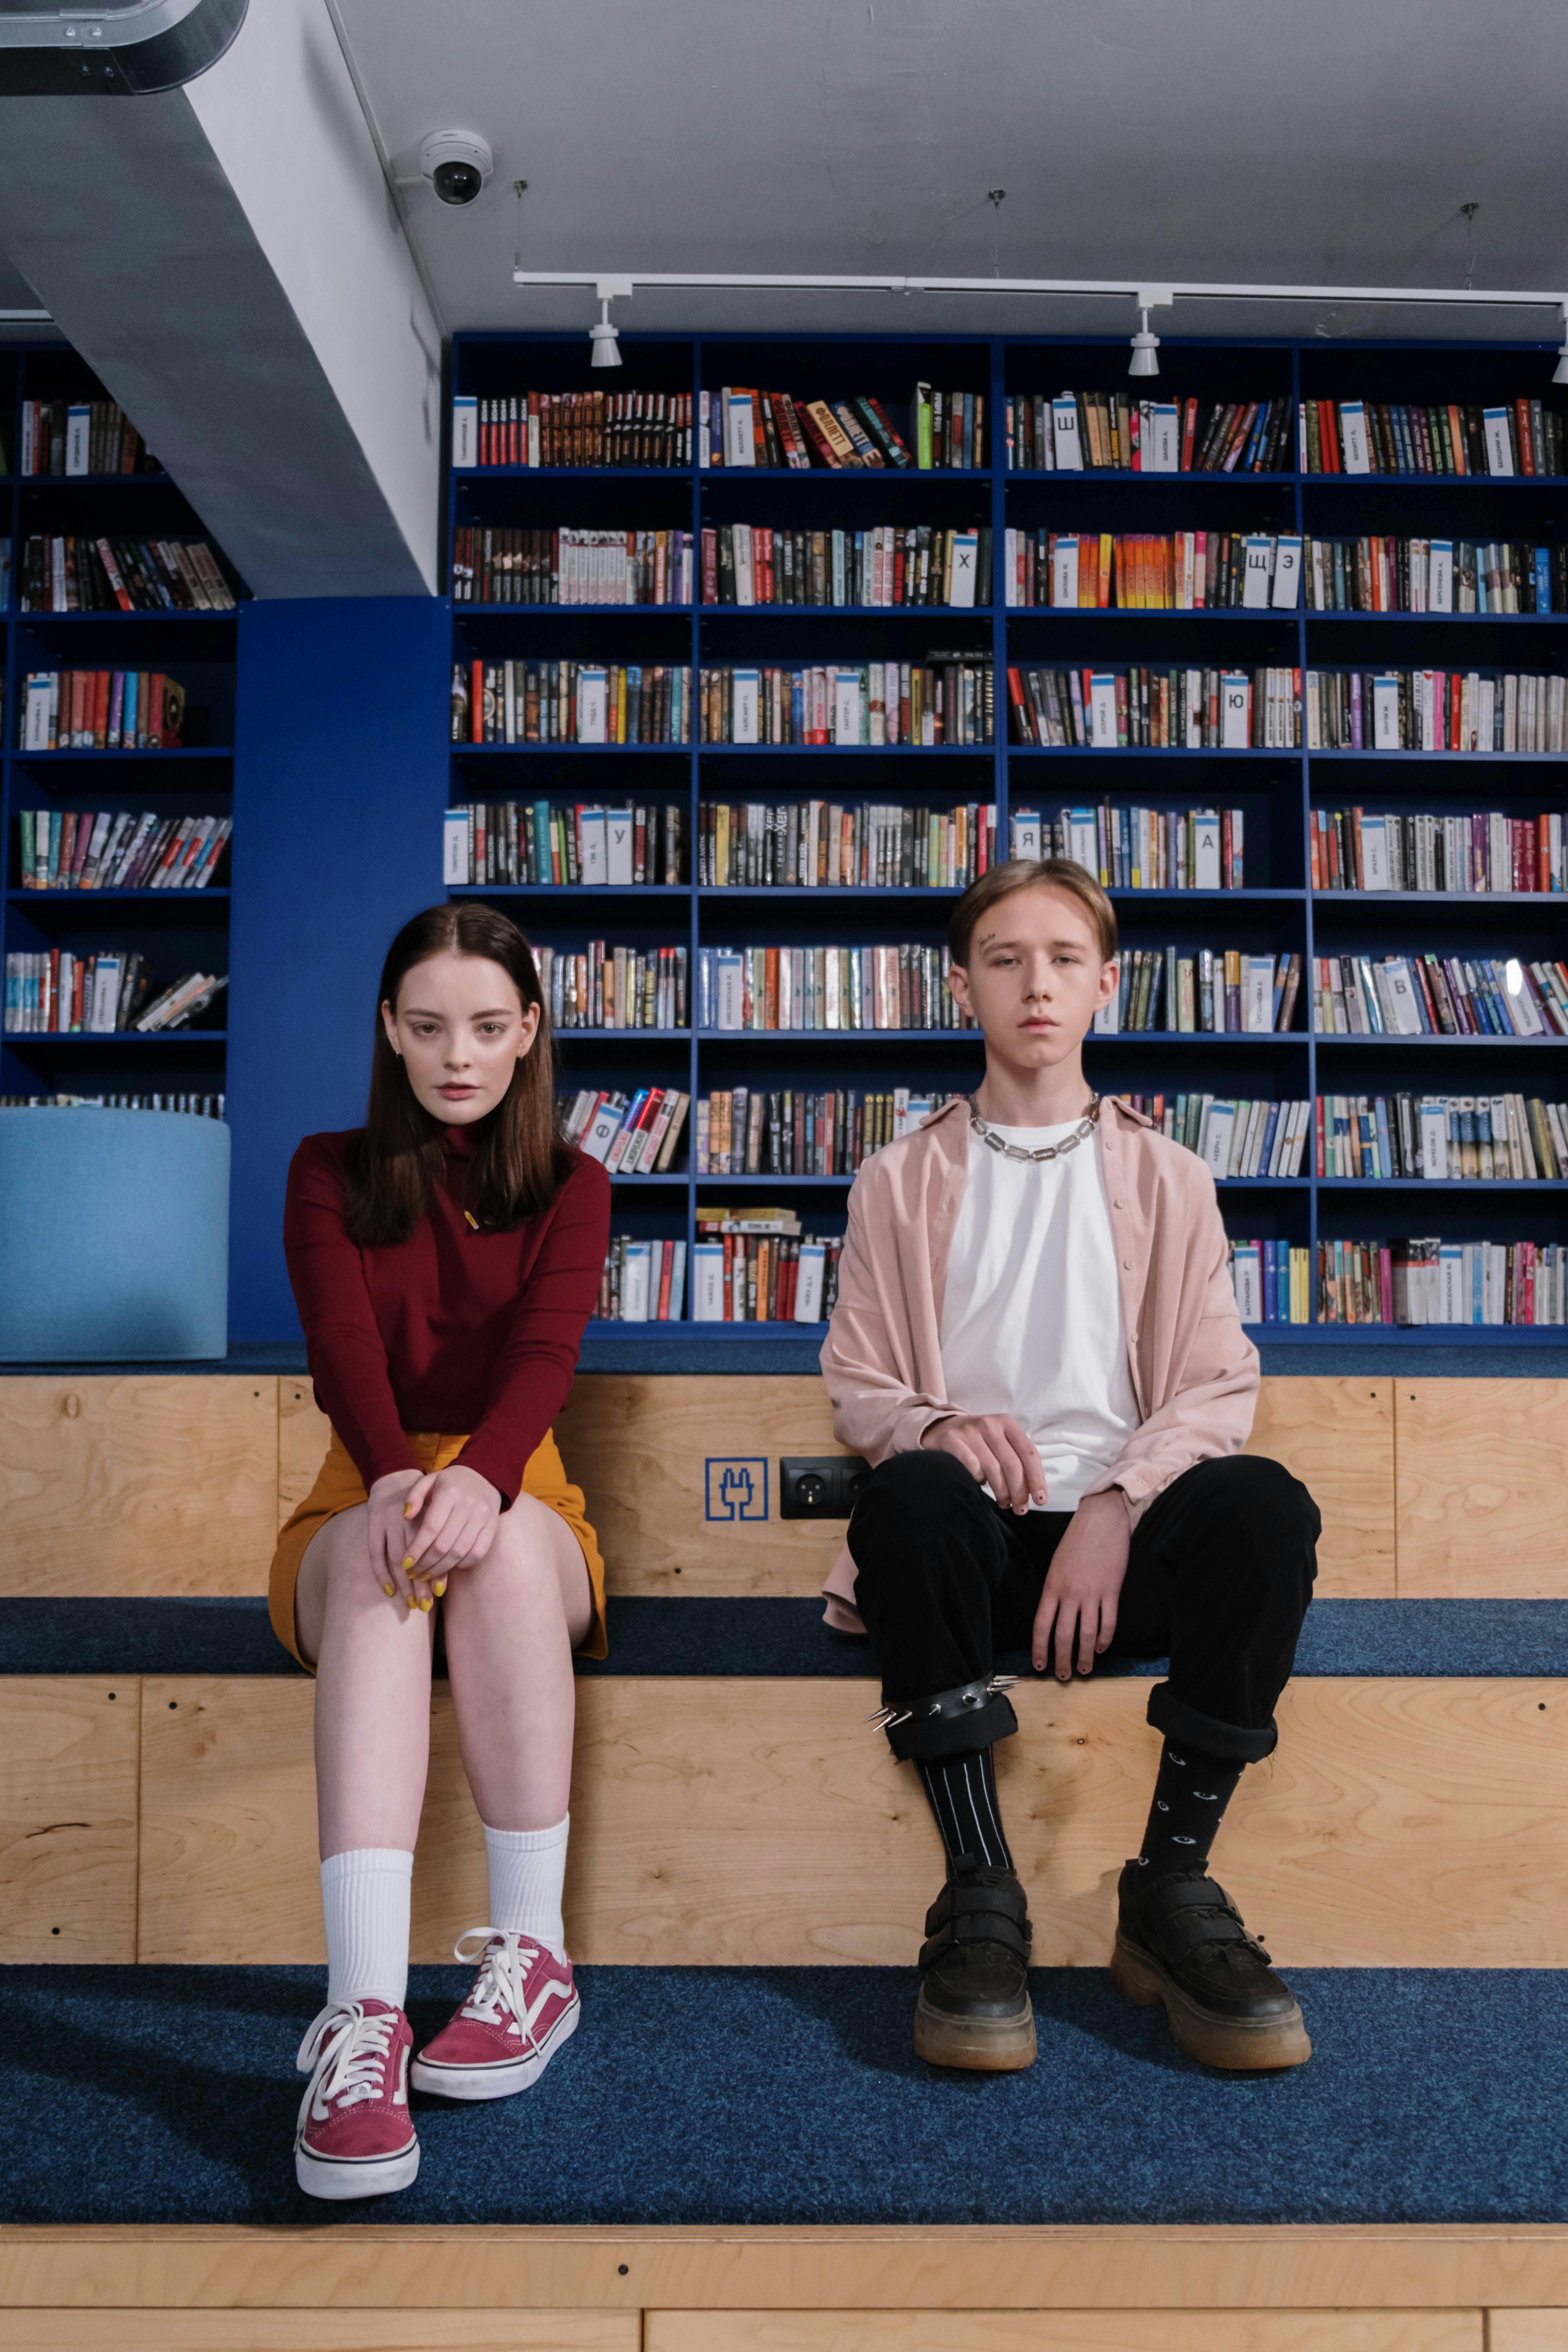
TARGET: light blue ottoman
(113,1234)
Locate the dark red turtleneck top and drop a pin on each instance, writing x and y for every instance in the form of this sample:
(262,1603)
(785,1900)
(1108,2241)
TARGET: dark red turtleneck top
(452,1330)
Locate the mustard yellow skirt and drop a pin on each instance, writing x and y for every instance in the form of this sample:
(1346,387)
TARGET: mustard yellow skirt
(339,1488)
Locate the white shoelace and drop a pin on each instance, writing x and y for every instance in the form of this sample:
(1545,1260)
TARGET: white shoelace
(500,1984)
(345,2053)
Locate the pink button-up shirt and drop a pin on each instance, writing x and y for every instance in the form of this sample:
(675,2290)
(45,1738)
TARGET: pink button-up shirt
(1194,1370)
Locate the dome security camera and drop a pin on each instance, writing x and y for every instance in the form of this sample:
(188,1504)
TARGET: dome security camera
(457,164)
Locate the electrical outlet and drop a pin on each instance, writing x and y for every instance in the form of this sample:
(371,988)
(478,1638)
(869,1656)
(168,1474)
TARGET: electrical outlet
(821,1486)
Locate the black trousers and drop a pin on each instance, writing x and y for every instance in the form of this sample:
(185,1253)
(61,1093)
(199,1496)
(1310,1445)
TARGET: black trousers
(1218,1579)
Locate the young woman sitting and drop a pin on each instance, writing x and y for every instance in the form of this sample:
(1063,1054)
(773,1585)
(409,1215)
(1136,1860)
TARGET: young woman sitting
(445,1258)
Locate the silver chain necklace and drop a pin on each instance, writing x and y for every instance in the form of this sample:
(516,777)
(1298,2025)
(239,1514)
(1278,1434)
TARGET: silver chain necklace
(989,1136)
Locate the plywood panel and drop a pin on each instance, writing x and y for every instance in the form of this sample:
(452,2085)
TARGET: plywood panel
(1401,1823)
(67,1818)
(333,2331)
(302,1432)
(1062,2331)
(1482,1497)
(639,1447)
(127,1483)
(1527,2331)
(1337,1437)
(369,2266)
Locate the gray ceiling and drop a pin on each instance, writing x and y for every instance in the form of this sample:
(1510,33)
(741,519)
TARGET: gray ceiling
(1304,140)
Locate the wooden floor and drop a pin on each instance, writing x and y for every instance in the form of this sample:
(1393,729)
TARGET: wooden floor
(376,2289)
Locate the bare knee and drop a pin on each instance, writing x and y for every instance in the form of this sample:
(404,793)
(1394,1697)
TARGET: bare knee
(534,1565)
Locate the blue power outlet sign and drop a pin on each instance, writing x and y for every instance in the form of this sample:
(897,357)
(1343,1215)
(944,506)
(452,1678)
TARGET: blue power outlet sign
(737,1486)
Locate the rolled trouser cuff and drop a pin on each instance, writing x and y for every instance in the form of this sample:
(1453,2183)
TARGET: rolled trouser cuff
(1234,1741)
(957,1722)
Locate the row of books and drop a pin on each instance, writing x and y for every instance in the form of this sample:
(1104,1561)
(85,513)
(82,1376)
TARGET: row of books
(643,1281)
(1233,1137)
(193,1105)
(1141,849)
(56,993)
(1213,990)
(507,566)
(1360,849)
(1272,1281)
(72,573)
(756,1266)
(1157,709)
(793,1131)
(1421,1281)
(573,428)
(826,845)
(571,702)
(105,849)
(1435,711)
(1442,1138)
(1152,571)
(750,427)
(1399,437)
(633,1135)
(744,426)
(542,844)
(101,711)
(825,987)
(1384,574)
(602,986)
(80,436)
(886,565)
(1429,995)
(1110,432)
(945,699)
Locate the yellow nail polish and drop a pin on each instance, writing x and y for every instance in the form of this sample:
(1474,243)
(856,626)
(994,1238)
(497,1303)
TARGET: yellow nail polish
(408,1559)
(426,1602)
(390,1590)
(440,1588)
(408,1510)
(412,1602)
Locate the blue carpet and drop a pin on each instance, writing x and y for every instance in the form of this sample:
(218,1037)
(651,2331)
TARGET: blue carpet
(733,2095)
(756,1636)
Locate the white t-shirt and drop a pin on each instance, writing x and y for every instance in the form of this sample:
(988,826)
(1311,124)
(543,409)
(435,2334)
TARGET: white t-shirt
(1031,1317)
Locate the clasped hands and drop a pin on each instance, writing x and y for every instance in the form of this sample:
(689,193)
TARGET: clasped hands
(1083,1584)
(424,1525)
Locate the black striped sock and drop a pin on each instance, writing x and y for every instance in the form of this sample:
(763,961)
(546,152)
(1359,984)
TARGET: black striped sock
(962,1790)
(1190,1793)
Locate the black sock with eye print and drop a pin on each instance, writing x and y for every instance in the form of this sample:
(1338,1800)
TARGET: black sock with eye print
(1190,1793)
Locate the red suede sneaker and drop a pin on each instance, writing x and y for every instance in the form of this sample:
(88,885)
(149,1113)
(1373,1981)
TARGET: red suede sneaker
(355,2137)
(523,2006)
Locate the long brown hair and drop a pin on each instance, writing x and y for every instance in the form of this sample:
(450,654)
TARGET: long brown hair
(519,1162)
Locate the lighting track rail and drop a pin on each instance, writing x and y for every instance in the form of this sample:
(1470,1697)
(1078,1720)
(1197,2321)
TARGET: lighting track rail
(1160,295)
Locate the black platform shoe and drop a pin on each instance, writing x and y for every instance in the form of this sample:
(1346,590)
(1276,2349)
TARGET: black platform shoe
(974,2009)
(1180,1940)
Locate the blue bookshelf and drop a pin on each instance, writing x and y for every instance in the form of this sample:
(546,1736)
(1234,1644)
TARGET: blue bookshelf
(178,931)
(1278,909)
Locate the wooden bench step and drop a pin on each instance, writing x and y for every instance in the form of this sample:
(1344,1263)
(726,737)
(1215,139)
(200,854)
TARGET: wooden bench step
(142,1483)
(1403,1823)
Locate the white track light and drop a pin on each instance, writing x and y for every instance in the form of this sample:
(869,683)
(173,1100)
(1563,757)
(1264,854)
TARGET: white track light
(606,339)
(1145,350)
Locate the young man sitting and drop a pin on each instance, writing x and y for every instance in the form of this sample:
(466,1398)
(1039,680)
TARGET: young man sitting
(1036,1345)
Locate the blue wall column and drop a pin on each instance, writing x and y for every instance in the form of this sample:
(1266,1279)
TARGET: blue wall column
(340,779)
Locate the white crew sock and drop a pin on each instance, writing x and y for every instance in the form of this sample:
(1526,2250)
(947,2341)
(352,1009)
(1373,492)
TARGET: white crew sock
(366,1896)
(527,1869)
